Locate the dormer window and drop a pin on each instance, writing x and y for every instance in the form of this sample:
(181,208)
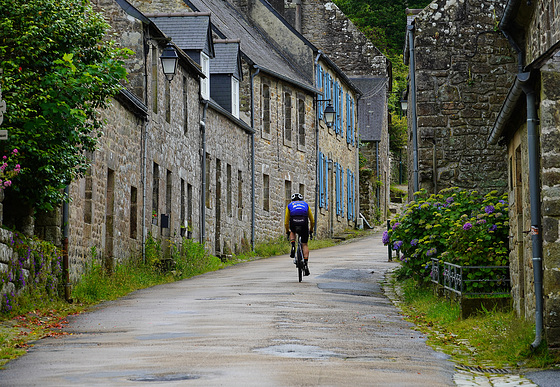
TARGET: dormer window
(235,97)
(205,82)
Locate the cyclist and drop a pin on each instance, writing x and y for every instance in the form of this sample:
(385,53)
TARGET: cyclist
(299,219)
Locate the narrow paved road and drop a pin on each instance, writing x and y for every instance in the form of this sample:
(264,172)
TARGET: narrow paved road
(248,325)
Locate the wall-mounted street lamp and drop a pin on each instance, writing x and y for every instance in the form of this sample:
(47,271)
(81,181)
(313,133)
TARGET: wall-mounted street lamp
(404,106)
(329,114)
(169,61)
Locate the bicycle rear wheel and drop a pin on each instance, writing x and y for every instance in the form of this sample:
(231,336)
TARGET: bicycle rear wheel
(299,262)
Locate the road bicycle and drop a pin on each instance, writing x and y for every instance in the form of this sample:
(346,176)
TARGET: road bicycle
(300,264)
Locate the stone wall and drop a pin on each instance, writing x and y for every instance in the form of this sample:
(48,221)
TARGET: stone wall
(279,159)
(550,196)
(463,69)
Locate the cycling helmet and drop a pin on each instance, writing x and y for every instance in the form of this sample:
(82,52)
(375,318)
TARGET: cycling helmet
(297,196)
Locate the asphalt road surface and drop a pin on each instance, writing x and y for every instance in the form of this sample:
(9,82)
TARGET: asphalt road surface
(252,324)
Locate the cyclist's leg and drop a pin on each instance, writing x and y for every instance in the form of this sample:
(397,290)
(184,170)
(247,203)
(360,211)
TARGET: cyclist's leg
(293,242)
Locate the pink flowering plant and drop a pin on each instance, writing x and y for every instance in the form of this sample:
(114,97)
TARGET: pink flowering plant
(9,169)
(456,226)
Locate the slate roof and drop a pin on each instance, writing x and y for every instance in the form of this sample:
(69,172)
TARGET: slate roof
(189,31)
(229,23)
(371,107)
(226,60)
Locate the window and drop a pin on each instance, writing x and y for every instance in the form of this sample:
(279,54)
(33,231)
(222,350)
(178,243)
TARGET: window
(229,192)
(302,190)
(287,191)
(182,218)
(239,195)
(266,192)
(301,121)
(320,85)
(265,106)
(168,101)
(287,117)
(155,62)
(189,205)
(205,82)
(168,193)
(349,119)
(320,172)
(155,193)
(88,205)
(207,188)
(339,185)
(133,212)
(185,104)
(235,97)
(350,193)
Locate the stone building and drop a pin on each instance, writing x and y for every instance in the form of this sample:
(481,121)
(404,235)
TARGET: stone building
(459,68)
(294,151)
(528,126)
(324,25)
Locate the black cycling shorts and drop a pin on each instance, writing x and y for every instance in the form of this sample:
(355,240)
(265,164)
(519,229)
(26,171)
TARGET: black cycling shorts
(300,226)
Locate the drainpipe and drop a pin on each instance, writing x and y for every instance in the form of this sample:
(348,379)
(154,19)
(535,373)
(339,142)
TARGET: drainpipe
(253,158)
(203,189)
(535,198)
(534,168)
(65,261)
(143,149)
(316,148)
(377,188)
(410,32)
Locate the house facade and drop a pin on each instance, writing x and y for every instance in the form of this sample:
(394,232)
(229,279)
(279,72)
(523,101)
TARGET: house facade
(460,66)
(528,127)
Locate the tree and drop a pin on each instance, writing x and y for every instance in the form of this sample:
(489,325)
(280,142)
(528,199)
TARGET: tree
(58,71)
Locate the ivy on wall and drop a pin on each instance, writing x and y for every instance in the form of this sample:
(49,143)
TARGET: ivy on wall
(32,273)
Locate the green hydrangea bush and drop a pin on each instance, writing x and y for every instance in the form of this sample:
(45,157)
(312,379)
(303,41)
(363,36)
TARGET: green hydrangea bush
(456,226)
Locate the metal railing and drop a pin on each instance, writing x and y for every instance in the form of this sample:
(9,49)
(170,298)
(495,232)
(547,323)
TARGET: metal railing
(467,280)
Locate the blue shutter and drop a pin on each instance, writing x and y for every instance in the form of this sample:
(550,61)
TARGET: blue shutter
(320,160)
(348,118)
(320,82)
(349,179)
(341,191)
(353,197)
(348,192)
(337,188)
(353,126)
(326,176)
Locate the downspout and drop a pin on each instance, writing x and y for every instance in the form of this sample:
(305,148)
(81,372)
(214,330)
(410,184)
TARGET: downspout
(316,152)
(65,260)
(535,199)
(144,148)
(534,168)
(410,31)
(253,158)
(203,189)
(377,188)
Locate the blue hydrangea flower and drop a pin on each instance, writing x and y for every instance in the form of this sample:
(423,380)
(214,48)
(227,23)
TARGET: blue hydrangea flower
(489,209)
(385,238)
(397,245)
(467,226)
(414,242)
(493,228)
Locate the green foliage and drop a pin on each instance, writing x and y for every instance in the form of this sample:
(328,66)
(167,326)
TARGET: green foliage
(456,226)
(398,129)
(35,270)
(57,72)
(489,339)
(191,259)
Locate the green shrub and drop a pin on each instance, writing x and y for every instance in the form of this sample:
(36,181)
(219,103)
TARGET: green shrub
(456,226)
